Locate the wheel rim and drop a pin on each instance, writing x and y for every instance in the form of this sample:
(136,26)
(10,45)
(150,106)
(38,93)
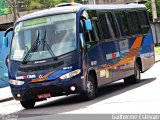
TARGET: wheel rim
(90,87)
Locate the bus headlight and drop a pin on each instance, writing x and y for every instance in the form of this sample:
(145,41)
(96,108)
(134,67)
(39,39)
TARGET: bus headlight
(16,82)
(70,74)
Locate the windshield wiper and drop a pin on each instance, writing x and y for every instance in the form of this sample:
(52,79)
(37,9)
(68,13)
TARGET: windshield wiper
(35,45)
(33,48)
(47,46)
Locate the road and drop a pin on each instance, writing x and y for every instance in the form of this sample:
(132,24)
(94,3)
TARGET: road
(114,98)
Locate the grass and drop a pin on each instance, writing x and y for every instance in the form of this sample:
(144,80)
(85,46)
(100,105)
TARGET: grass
(157,49)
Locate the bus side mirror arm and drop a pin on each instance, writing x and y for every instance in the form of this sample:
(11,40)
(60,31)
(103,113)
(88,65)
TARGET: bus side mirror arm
(5,38)
(82,42)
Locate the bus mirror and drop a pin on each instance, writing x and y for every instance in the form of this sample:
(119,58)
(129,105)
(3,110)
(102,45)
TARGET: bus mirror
(88,25)
(5,41)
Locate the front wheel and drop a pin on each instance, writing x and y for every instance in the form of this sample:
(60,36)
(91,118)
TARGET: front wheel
(134,78)
(28,104)
(90,92)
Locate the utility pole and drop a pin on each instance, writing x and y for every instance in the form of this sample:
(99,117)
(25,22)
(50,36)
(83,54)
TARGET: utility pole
(154,11)
(94,1)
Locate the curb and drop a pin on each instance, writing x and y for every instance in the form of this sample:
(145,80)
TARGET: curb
(6,99)
(157,61)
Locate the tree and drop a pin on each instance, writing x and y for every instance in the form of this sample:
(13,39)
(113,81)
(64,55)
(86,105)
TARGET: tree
(14,8)
(158,7)
(148,4)
(41,4)
(149,8)
(32,5)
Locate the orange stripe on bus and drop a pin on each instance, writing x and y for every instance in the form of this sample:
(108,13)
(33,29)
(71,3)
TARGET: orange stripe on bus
(42,79)
(130,57)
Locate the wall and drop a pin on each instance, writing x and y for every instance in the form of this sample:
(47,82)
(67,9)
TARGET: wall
(156,30)
(118,1)
(3,54)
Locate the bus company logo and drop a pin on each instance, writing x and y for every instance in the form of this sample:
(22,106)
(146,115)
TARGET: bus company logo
(25,77)
(112,55)
(40,76)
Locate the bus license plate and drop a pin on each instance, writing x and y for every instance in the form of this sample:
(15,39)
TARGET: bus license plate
(46,95)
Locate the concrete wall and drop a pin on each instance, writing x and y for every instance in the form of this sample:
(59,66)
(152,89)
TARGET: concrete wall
(7,20)
(3,54)
(156,30)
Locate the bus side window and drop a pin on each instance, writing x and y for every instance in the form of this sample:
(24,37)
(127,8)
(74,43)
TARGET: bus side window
(107,25)
(144,22)
(133,22)
(91,37)
(95,32)
(122,22)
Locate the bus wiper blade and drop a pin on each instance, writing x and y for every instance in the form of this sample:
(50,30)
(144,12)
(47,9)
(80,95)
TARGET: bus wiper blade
(33,48)
(48,47)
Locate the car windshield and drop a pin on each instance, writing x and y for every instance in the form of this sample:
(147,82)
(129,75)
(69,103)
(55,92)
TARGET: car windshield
(44,38)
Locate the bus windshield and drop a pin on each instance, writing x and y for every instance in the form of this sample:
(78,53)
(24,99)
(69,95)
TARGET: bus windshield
(44,37)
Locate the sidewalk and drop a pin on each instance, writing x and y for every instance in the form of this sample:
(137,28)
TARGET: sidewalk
(157,57)
(5,94)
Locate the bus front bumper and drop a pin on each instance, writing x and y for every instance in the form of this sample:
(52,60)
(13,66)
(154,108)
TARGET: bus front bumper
(42,90)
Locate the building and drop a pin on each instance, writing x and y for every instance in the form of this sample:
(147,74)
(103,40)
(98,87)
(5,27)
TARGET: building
(116,1)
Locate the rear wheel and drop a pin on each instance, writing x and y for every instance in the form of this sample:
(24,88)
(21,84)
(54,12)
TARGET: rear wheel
(134,78)
(28,104)
(90,92)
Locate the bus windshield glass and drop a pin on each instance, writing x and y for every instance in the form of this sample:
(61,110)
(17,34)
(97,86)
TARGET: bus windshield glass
(44,38)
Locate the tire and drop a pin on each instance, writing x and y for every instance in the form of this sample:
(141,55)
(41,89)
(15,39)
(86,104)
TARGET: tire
(28,104)
(90,93)
(134,78)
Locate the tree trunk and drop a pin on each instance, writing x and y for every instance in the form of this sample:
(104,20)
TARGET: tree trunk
(15,11)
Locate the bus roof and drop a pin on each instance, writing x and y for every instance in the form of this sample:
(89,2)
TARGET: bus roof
(66,9)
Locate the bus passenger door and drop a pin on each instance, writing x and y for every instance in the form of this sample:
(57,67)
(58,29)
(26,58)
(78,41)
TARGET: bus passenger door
(97,50)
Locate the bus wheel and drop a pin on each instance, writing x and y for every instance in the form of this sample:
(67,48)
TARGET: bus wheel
(90,93)
(134,78)
(28,104)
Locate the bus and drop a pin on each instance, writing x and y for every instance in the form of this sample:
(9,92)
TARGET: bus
(75,49)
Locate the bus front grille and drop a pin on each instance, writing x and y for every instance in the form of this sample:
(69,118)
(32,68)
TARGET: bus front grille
(31,68)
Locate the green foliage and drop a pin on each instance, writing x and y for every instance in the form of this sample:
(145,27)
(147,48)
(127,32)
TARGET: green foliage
(3,10)
(41,4)
(34,4)
(8,10)
(149,7)
(148,4)
(158,7)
